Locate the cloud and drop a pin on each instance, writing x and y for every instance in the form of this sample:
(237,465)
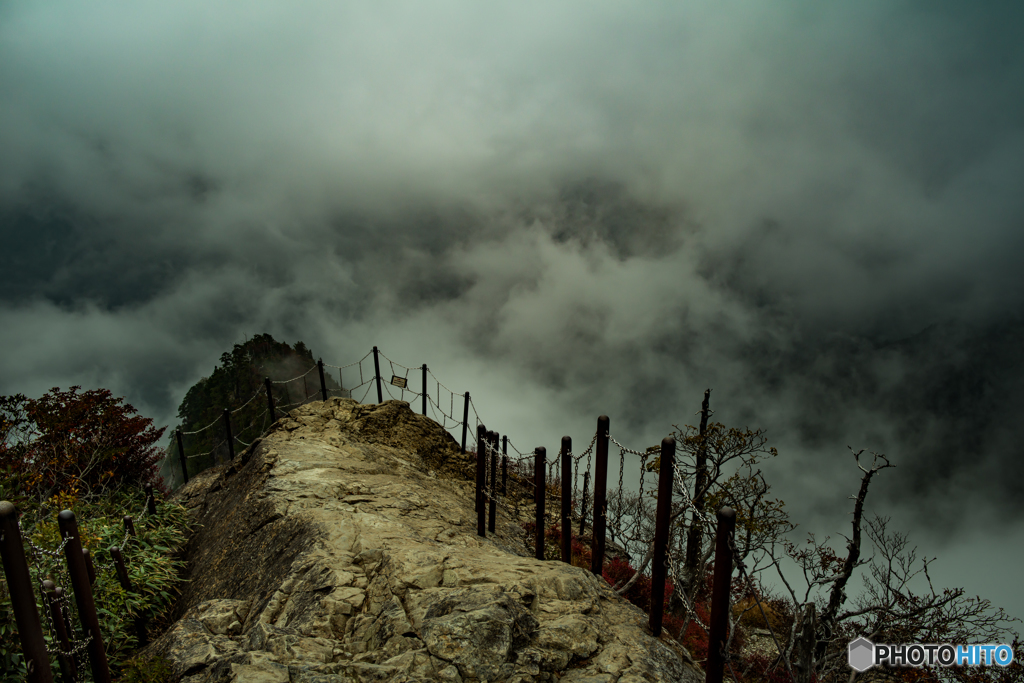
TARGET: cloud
(568,210)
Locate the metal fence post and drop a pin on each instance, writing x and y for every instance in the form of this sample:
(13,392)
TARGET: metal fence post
(539,465)
(68,668)
(83,595)
(323,381)
(424,388)
(504,465)
(658,574)
(465,419)
(493,486)
(567,499)
(90,568)
(481,448)
(122,577)
(227,428)
(270,400)
(122,572)
(129,527)
(150,501)
(720,596)
(184,460)
(376,368)
(30,628)
(600,500)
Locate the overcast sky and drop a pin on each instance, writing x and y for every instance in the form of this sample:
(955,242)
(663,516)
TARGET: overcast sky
(568,210)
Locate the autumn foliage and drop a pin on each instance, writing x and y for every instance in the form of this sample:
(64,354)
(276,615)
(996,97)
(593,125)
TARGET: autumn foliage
(75,446)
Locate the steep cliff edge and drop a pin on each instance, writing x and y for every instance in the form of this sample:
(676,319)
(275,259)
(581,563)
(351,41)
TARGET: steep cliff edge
(343,547)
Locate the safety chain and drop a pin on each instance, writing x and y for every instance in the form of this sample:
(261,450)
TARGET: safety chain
(342,367)
(652,449)
(60,573)
(689,501)
(261,390)
(62,580)
(439,409)
(252,424)
(687,605)
(441,385)
(393,362)
(204,428)
(588,453)
(285,381)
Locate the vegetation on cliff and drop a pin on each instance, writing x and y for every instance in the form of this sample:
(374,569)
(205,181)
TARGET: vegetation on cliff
(238,378)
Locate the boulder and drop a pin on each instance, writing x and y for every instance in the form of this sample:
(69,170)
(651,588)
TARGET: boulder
(343,547)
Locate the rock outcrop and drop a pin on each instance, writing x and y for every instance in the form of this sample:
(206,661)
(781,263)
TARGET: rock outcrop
(343,547)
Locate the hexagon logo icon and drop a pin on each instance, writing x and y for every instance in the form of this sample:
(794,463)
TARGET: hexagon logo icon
(861,654)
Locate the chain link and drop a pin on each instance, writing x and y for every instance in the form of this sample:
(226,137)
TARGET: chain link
(687,605)
(342,367)
(394,363)
(285,381)
(62,579)
(261,390)
(204,428)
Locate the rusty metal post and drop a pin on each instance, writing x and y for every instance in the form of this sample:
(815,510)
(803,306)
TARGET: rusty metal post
(720,596)
(481,448)
(150,501)
(227,428)
(90,568)
(26,616)
(567,499)
(270,400)
(323,380)
(126,583)
(539,465)
(465,420)
(122,572)
(376,368)
(129,526)
(83,595)
(583,503)
(658,570)
(504,465)
(184,460)
(493,486)
(600,500)
(424,388)
(68,669)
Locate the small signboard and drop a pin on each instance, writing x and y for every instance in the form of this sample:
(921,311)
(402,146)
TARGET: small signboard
(398,381)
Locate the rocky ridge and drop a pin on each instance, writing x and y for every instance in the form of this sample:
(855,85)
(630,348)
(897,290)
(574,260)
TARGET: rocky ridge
(342,547)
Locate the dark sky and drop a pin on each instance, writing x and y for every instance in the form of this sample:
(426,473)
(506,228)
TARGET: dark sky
(815,210)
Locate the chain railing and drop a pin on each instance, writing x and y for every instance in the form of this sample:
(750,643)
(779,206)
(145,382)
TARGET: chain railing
(56,582)
(626,526)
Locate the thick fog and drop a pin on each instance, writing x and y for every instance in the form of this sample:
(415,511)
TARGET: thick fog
(568,210)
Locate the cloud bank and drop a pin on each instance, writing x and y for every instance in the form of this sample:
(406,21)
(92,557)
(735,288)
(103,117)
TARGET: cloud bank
(570,210)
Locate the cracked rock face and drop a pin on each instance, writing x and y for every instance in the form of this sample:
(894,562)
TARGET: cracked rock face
(343,547)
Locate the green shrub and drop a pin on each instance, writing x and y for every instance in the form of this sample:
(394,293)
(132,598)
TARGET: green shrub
(151,568)
(147,670)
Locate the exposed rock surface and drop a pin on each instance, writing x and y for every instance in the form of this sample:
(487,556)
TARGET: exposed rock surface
(340,549)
